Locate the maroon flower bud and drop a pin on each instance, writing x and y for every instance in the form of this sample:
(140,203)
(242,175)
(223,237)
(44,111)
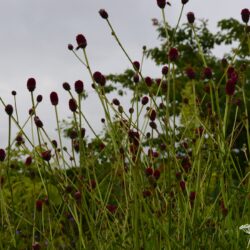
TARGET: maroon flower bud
(148,81)
(112,208)
(173,54)
(184,1)
(116,102)
(79,87)
(72,134)
(54,98)
(66,86)
(38,122)
(192,196)
(103,13)
(99,78)
(164,70)
(146,193)
(2,154)
(9,109)
(81,41)
(92,184)
(161,3)
(103,120)
(152,115)
(149,171)
(46,155)
(72,105)
(131,110)
(136,65)
(70,47)
(230,87)
(28,161)
(245,14)
(157,174)
(207,73)
(77,195)
(36,246)
(153,125)
(144,100)
(39,205)
(190,73)
(182,185)
(190,17)
(13,92)
(136,78)
(39,98)
(31,84)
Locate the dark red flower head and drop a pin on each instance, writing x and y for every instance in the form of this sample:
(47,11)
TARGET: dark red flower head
(144,100)
(207,73)
(70,47)
(38,122)
(245,14)
(39,205)
(28,161)
(161,3)
(9,109)
(46,155)
(184,1)
(79,87)
(190,73)
(81,41)
(190,17)
(136,65)
(13,92)
(36,246)
(54,98)
(31,84)
(72,105)
(230,87)
(112,208)
(103,13)
(173,54)
(39,98)
(148,81)
(164,70)
(2,154)
(66,86)
(99,78)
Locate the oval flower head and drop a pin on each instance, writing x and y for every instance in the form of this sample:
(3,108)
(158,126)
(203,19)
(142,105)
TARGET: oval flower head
(246,229)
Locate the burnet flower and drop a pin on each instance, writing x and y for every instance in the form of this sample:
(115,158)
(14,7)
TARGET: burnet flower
(246,229)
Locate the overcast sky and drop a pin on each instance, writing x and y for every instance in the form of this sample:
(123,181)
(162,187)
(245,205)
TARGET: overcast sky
(34,36)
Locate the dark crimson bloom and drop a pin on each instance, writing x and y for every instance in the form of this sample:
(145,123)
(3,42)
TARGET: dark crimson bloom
(152,115)
(81,41)
(173,54)
(190,17)
(54,143)
(112,208)
(153,125)
(192,196)
(83,131)
(54,98)
(207,73)
(182,185)
(36,246)
(31,84)
(39,205)
(148,81)
(136,65)
(79,87)
(46,155)
(92,184)
(116,102)
(66,86)
(13,92)
(2,154)
(38,122)
(77,195)
(245,14)
(146,193)
(161,3)
(131,110)
(230,71)
(103,13)
(28,161)
(230,87)
(39,98)
(9,109)
(99,78)
(144,100)
(190,73)
(149,171)
(70,47)
(164,70)
(72,105)
(136,78)
(184,1)
(157,174)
